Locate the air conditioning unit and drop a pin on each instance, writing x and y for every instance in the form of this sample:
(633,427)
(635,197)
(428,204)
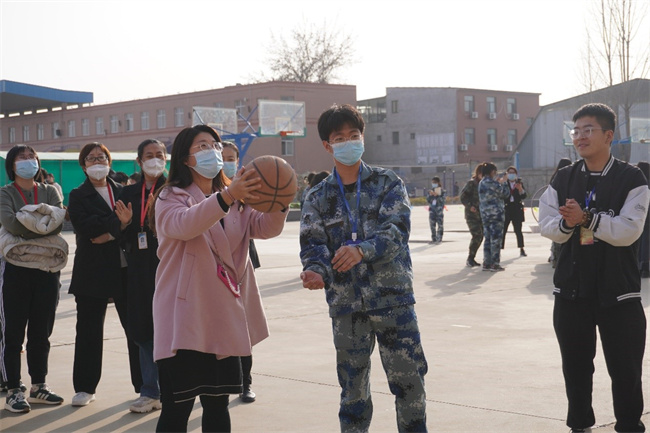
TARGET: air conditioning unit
(515,116)
(463,148)
(474,114)
(492,116)
(494,147)
(508,147)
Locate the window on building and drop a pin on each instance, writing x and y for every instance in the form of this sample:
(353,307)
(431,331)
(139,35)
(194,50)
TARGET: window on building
(379,138)
(72,129)
(56,131)
(144,120)
(25,133)
(469,104)
(161,119)
(512,137)
(511,105)
(115,125)
(85,127)
(241,105)
(287,146)
(492,136)
(12,134)
(393,106)
(99,125)
(40,132)
(491,104)
(395,137)
(178,116)
(128,122)
(469,136)
(412,135)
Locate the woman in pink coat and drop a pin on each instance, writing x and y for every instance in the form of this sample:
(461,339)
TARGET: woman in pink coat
(207,309)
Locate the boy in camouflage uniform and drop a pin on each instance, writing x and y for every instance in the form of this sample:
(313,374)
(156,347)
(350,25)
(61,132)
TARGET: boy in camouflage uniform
(492,192)
(469,199)
(436,200)
(354,243)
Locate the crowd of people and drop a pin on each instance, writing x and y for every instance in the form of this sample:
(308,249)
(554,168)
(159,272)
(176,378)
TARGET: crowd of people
(153,244)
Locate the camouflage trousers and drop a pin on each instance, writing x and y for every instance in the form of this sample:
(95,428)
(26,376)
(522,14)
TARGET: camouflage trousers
(475,226)
(493,232)
(436,224)
(400,349)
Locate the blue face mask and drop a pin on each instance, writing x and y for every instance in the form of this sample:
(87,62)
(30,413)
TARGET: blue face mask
(208,163)
(348,152)
(26,168)
(230,169)
(434,185)
(512,176)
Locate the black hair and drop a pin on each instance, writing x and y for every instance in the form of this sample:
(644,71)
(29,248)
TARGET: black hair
(605,116)
(85,151)
(317,178)
(336,117)
(120,177)
(146,143)
(13,154)
(487,168)
(564,162)
(436,178)
(645,168)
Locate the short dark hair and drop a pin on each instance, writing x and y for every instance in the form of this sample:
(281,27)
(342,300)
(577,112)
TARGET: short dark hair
(338,116)
(487,168)
(85,151)
(318,177)
(436,178)
(13,154)
(512,167)
(605,116)
(231,145)
(120,177)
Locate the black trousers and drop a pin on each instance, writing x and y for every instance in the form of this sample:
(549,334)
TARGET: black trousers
(513,214)
(29,300)
(89,344)
(622,331)
(246,366)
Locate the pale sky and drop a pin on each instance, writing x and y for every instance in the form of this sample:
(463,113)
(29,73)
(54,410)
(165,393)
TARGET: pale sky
(134,49)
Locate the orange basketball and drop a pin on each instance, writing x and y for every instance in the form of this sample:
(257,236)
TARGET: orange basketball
(279,183)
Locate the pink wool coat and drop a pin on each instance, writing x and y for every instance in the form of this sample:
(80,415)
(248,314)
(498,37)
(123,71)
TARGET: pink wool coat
(192,308)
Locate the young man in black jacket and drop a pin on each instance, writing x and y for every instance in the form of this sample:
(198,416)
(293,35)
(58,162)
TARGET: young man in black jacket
(596,209)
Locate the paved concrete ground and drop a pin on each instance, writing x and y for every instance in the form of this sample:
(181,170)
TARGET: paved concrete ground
(494,365)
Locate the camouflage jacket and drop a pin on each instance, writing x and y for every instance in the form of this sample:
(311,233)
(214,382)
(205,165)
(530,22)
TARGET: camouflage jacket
(438,207)
(469,198)
(491,196)
(384,278)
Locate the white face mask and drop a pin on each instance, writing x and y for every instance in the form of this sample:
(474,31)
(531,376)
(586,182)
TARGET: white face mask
(98,171)
(154,167)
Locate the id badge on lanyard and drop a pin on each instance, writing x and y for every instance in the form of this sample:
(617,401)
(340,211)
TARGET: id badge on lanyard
(355,221)
(142,235)
(587,235)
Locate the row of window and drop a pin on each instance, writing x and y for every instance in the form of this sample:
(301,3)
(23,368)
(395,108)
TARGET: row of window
(114,125)
(469,105)
(469,137)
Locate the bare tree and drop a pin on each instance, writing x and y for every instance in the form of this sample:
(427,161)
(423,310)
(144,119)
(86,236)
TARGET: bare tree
(311,54)
(619,52)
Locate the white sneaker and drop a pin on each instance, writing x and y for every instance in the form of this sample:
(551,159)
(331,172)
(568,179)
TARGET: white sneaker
(82,399)
(145,404)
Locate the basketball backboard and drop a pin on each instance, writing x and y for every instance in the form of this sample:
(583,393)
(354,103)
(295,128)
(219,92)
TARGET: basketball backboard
(281,118)
(640,129)
(224,120)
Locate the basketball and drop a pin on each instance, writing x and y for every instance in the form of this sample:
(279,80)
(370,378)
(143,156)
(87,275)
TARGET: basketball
(279,183)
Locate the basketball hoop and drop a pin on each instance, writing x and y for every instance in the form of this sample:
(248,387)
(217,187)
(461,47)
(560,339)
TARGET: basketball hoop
(290,133)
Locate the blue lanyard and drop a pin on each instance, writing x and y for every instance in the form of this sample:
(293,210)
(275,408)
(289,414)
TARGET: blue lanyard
(589,197)
(347,206)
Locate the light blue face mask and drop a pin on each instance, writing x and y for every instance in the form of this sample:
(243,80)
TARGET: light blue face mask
(208,163)
(26,168)
(230,169)
(434,185)
(348,152)
(512,176)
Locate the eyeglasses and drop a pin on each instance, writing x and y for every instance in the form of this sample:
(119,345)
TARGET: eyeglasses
(100,158)
(338,140)
(586,132)
(204,145)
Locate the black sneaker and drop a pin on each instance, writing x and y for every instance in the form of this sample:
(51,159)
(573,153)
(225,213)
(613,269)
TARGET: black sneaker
(15,401)
(471,262)
(522,253)
(5,388)
(497,268)
(487,268)
(44,395)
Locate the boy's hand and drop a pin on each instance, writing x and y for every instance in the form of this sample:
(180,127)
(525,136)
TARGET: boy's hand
(312,280)
(346,258)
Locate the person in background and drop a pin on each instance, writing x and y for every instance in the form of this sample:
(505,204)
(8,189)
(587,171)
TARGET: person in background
(436,200)
(456,189)
(318,177)
(49,179)
(99,272)
(207,309)
(555,247)
(470,200)
(354,236)
(30,292)
(140,246)
(230,154)
(514,208)
(134,178)
(644,246)
(120,177)
(307,181)
(597,208)
(492,191)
